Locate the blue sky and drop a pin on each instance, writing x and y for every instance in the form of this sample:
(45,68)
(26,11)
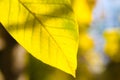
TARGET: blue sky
(110,10)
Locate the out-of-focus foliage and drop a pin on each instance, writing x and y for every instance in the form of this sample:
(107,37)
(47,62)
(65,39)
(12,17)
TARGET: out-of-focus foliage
(112,45)
(1,76)
(86,43)
(82,11)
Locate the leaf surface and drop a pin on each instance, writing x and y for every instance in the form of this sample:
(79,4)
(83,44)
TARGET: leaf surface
(45,28)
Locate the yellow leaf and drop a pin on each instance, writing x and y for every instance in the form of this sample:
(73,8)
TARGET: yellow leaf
(45,28)
(86,42)
(82,11)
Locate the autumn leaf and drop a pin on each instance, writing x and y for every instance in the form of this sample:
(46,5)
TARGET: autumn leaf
(47,29)
(83,11)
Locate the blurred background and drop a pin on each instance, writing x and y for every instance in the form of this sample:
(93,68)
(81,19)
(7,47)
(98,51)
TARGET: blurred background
(98,55)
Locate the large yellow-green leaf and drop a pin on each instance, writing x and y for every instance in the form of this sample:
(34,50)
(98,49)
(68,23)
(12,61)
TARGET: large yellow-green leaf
(45,28)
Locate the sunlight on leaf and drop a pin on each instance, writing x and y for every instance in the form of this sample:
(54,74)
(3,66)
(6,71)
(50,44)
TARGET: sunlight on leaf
(49,36)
